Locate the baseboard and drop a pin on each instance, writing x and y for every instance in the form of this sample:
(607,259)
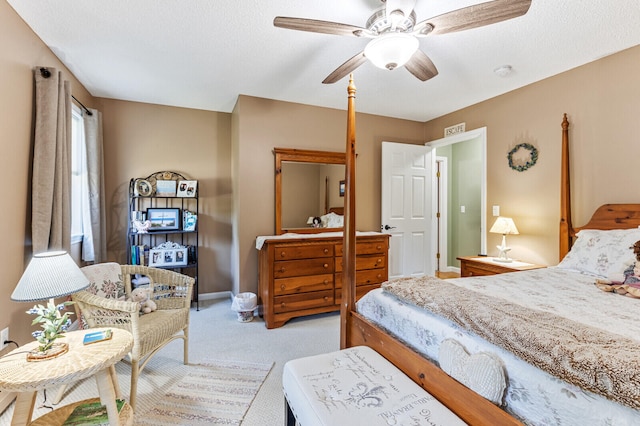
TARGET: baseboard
(216,295)
(6,398)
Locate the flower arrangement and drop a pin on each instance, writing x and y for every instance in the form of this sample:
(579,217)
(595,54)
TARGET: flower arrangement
(53,323)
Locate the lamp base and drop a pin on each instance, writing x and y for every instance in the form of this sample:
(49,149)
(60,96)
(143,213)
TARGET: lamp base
(55,351)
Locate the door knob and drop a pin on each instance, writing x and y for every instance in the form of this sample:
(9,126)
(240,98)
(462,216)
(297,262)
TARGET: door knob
(387,227)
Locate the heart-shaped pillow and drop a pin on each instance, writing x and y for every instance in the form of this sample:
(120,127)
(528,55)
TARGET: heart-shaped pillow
(481,372)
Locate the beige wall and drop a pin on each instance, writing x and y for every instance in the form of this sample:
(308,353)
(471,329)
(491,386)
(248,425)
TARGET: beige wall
(141,139)
(20,52)
(261,125)
(602,100)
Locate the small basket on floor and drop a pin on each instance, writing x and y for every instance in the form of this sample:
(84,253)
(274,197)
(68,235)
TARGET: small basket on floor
(244,304)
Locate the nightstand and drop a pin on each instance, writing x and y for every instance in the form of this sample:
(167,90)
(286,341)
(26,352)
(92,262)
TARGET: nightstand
(472,266)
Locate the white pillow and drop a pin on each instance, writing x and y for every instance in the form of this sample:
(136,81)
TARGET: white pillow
(332,220)
(602,253)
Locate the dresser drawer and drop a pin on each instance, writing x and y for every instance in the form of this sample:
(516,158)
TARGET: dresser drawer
(365,262)
(302,301)
(475,271)
(366,277)
(297,268)
(303,251)
(369,247)
(282,286)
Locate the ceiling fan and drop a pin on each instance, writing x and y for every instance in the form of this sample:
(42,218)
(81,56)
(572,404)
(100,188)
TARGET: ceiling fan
(394,33)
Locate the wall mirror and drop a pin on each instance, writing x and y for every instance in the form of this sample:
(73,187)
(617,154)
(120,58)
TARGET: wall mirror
(309,185)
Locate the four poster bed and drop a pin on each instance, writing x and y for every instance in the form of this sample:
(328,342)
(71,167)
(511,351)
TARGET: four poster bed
(569,352)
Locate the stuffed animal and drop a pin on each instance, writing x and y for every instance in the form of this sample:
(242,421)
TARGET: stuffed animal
(142,295)
(627,283)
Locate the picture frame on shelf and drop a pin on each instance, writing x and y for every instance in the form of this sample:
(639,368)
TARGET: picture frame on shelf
(166,188)
(168,254)
(187,188)
(189,220)
(163,219)
(142,188)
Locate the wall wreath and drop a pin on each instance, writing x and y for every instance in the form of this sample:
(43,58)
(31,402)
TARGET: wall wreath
(522,157)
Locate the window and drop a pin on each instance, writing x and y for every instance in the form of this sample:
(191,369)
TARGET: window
(78,173)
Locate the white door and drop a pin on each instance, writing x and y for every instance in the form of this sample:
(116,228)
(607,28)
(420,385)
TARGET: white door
(407,184)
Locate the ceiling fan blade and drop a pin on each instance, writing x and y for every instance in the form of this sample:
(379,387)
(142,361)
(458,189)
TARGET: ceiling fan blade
(316,26)
(346,68)
(474,16)
(421,66)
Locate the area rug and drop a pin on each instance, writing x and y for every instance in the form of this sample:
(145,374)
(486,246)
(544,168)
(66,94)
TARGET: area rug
(216,392)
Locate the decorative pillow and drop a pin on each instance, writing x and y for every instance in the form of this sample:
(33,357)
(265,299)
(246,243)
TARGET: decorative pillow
(105,280)
(481,372)
(602,253)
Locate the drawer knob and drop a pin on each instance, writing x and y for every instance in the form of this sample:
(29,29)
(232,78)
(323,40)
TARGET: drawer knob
(283,304)
(378,247)
(326,250)
(325,282)
(282,254)
(326,265)
(282,269)
(282,287)
(326,298)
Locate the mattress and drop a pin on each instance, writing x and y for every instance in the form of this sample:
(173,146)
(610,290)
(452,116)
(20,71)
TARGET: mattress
(532,395)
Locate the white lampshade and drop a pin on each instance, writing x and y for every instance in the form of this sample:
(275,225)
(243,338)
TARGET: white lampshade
(391,50)
(504,226)
(49,275)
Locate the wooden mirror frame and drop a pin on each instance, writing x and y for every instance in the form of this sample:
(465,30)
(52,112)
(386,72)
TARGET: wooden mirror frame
(301,156)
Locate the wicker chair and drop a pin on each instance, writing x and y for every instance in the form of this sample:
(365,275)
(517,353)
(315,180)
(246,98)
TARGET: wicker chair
(103,305)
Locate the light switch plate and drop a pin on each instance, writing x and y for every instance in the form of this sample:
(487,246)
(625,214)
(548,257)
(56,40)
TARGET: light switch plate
(496,210)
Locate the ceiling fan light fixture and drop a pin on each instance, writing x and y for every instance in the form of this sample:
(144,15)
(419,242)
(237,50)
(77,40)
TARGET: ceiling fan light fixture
(391,50)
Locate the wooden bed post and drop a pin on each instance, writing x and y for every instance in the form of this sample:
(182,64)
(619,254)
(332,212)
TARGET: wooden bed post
(566,229)
(349,244)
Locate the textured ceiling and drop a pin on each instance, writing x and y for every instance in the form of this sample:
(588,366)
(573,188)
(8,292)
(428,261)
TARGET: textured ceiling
(203,53)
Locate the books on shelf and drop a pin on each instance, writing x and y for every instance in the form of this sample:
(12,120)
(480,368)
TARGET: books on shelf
(91,413)
(140,255)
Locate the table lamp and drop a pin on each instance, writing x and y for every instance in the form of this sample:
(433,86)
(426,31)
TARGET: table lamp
(504,226)
(49,275)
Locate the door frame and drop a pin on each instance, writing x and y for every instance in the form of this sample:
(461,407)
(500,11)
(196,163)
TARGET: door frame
(481,134)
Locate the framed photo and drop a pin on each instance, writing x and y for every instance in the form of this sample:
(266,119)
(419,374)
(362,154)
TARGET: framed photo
(187,188)
(168,257)
(341,188)
(189,220)
(163,219)
(142,188)
(166,188)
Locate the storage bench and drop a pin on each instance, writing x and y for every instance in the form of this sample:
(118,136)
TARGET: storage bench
(357,386)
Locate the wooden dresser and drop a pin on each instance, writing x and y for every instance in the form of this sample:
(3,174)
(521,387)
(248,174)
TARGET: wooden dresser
(303,276)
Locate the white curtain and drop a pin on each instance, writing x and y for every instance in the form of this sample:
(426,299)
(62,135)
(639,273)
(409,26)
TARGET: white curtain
(94,243)
(51,175)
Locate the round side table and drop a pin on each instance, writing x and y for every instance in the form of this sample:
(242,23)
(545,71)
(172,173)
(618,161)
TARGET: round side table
(81,361)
